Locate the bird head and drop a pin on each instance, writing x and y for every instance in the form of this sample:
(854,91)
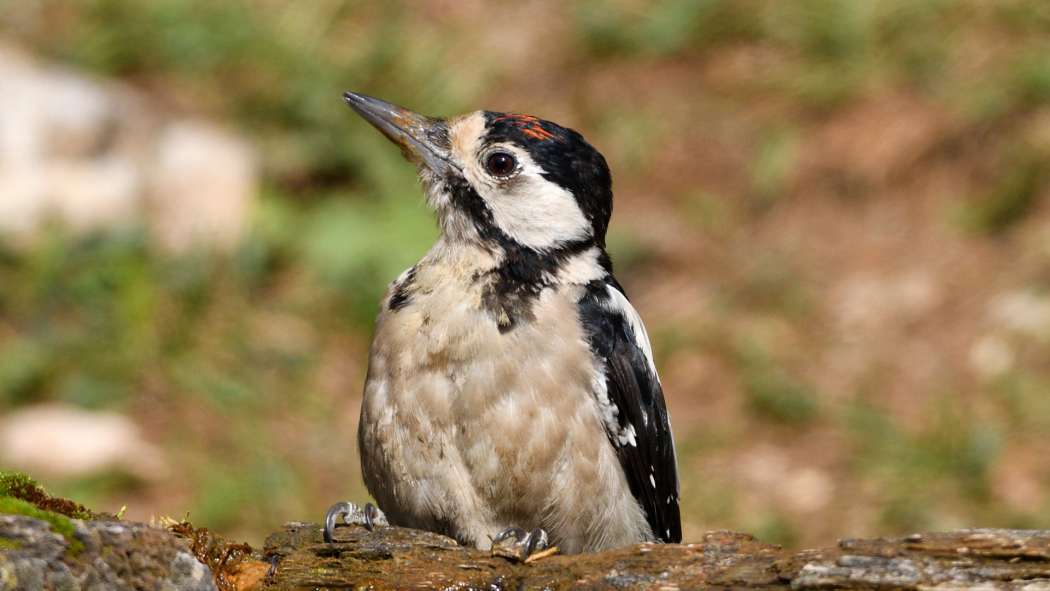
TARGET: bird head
(502,180)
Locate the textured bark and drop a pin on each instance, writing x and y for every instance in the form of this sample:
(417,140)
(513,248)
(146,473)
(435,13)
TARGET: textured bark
(393,558)
(123,555)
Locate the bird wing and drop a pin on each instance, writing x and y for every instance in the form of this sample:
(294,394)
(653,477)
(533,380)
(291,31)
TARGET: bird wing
(632,404)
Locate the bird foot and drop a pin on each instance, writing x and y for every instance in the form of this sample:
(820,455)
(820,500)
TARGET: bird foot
(369,517)
(517,544)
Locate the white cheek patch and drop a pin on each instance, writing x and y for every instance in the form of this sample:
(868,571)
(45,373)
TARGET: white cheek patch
(536,212)
(529,209)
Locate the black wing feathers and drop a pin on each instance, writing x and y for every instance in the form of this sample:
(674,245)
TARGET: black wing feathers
(647,457)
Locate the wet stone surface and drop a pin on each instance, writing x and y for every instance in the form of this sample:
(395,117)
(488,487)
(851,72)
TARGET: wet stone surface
(117,555)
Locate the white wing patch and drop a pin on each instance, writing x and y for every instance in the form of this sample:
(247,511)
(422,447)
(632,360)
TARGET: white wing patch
(629,436)
(618,303)
(610,413)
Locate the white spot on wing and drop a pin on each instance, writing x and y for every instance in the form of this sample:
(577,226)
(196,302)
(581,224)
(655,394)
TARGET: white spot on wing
(618,303)
(607,408)
(610,413)
(629,436)
(652,480)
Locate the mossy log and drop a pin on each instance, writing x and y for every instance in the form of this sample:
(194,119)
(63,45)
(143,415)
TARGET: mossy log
(395,558)
(126,555)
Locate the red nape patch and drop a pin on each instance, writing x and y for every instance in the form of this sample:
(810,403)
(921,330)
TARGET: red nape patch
(529,126)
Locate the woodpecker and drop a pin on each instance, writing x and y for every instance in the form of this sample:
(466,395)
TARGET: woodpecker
(511,390)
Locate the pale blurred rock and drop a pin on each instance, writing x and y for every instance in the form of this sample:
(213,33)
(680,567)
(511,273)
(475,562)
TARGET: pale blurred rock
(807,490)
(870,302)
(94,155)
(92,194)
(764,465)
(804,489)
(203,184)
(991,357)
(23,201)
(64,441)
(77,116)
(1023,313)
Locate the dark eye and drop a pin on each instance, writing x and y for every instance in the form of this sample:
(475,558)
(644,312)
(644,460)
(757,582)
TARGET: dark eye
(501,164)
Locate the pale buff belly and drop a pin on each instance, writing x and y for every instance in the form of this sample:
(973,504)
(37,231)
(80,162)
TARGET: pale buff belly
(465,430)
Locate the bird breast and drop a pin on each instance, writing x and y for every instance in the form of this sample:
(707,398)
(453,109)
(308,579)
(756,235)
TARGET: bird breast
(474,421)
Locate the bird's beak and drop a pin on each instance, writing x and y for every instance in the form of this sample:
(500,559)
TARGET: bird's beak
(421,139)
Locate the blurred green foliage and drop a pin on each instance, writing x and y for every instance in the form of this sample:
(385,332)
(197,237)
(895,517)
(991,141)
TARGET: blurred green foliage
(838,49)
(947,462)
(774,393)
(107,322)
(774,162)
(1010,200)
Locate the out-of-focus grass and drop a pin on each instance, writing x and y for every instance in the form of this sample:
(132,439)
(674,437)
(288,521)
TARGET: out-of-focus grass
(664,28)
(1011,198)
(773,393)
(837,50)
(90,313)
(773,164)
(946,464)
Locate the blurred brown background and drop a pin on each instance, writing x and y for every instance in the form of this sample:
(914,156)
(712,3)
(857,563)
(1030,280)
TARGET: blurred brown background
(832,215)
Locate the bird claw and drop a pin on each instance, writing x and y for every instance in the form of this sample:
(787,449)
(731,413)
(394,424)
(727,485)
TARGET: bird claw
(533,545)
(369,517)
(373,517)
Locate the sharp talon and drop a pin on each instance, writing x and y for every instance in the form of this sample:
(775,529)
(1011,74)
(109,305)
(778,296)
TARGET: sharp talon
(513,531)
(536,540)
(272,571)
(372,515)
(533,545)
(343,510)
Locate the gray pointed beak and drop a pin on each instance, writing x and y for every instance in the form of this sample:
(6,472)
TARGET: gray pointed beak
(421,139)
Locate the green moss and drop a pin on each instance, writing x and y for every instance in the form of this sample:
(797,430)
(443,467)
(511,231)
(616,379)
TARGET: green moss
(20,495)
(6,544)
(59,523)
(14,483)
(21,487)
